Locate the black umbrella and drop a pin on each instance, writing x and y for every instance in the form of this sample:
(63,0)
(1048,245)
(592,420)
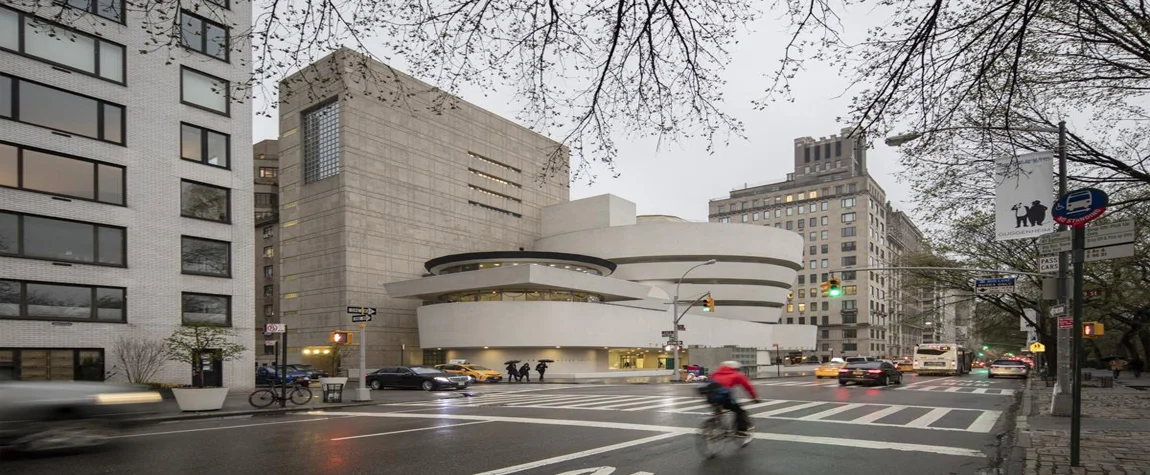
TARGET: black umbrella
(511,362)
(546,361)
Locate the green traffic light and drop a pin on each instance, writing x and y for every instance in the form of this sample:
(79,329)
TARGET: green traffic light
(834,292)
(985,347)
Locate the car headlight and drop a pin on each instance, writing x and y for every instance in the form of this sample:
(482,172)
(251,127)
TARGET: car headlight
(142,397)
(441,379)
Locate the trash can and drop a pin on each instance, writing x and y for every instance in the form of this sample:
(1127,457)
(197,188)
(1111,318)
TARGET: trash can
(333,392)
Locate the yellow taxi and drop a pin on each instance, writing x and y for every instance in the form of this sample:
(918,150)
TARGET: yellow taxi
(481,374)
(829,369)
(905,366)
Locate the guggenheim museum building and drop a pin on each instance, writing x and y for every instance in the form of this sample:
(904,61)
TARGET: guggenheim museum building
(595,293)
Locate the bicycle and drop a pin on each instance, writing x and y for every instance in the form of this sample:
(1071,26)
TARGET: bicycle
(716,430)
(265,397)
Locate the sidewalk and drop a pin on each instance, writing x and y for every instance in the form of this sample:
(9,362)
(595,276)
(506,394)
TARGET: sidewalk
(1115,435)
(236,404)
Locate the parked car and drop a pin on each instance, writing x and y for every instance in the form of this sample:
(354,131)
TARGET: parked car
(312,372)
(1008,368)
(477,373)
(268,375)
(829,370)
(49,415)
(874,372)
(421,377)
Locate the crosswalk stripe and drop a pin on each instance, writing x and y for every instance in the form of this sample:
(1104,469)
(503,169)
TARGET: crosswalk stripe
(645,400)
(879,414)
(769,402)
(592,403)
(788,409)
(664,404)
(692,408)
(552,400)
(984,422)
(929,418)
(830,412)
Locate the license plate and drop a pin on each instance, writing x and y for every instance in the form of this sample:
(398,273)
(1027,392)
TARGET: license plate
(934,363)
(858,372)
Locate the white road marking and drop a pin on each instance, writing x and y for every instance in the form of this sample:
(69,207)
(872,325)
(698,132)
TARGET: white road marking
(581,454)
(931,380)
(409,430)
(559,401)
(644,400)
(984,422)
(830,412)
(683,400)
(766,403)
(204,429)
(879,414)
(929,418)
(596,402)
(789,409)
(691,409)
(676,430)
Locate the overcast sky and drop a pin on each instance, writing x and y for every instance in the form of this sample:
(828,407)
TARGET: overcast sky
(679,179)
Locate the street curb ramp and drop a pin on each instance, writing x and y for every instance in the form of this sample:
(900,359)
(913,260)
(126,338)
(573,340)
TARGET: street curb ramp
(1008,455)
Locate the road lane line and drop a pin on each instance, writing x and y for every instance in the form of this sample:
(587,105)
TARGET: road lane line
(870,444)
(769,402)
(682,400)
(595,402)
(409,430)
(581,454)
(929,418)
(933,380)
(789,409)
(984,422)
(879,414)
(953,389)
(204,429)
(558,400)
(691,409)
(830,412)
(645,400)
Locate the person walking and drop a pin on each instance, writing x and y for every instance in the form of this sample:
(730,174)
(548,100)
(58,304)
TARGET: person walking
(541,368)
(525,371)
(1136,366)
(512,373)
(1117,365)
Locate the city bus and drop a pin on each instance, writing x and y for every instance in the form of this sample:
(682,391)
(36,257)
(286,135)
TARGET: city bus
(942,358)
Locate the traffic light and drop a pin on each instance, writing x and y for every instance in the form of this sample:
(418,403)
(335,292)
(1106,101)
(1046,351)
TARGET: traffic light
(1092,329)
(340,338)
(709,304)
(825,288)
(834,287)
(985,347)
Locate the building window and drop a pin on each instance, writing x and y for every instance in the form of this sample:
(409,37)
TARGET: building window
(852,188)
(849,217)
(807,154)
(206,257)
(839,148)
(744,218)
(204,36)
(269,291)
(849,275)
(802,293)
(204,146)
(824,334)
(848,202)
(850,333)
(61,46)
(790,211)
(790,320)
(814,264)
(269,232)
(814,250)
(790,308)
(825,248)
(269,310)
(755,217)
(802,209)
(268,272)
(266,200)
(848,246)
(848,231)
(44,172)
(825,235)
(826,318)
(110,9)
(269,172)
(802,320)
(850,289)
(850,305)
(207,309)
(203,91)
(825,263)
(814,236)
(812,195)
(818,150)
(203,201)
(269,251)
(802,279)
(61,240)
(47,301)
(790,224)
(722,209)
(321,153)
(33,103)
(800,224)
(850,347)
(850,260)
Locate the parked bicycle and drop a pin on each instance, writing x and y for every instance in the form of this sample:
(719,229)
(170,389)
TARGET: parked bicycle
(716,430)
(265,397)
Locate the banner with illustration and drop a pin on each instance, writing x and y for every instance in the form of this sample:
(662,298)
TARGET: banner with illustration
(1024,195)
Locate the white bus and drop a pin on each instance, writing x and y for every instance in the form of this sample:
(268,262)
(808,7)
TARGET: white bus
(942,358)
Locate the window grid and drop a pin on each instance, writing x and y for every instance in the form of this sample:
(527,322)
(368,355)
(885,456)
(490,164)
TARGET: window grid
(321,153)
(15,303)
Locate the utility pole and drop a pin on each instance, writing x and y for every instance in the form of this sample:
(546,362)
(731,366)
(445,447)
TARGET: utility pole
(675,315)
(362,393)
(1063,399)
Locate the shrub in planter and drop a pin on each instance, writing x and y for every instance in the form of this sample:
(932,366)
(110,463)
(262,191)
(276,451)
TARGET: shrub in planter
(195,345)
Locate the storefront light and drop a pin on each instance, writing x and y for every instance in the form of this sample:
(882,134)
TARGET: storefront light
(306,351)
(326,351)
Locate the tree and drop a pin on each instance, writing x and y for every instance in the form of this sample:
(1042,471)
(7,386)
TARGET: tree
(140,357)
(198,344)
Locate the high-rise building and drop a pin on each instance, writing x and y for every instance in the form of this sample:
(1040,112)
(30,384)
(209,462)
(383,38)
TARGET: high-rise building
(907,322)
(125,194)
(842,214)
(378,177)
(265,173)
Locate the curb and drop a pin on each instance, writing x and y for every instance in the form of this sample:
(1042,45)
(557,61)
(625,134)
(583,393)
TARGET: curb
(1015,463)
(246,412)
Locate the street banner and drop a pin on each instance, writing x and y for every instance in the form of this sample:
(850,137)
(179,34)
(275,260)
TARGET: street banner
(1024,194)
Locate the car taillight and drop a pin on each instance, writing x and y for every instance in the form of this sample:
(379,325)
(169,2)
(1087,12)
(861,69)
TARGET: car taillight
(874,371)
(844,370)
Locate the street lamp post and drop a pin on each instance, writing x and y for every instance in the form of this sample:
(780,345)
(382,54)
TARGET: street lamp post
(675,310)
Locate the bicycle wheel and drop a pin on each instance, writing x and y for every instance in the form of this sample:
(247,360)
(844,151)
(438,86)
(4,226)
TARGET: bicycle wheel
(300,396)
(711,437)
(262,398)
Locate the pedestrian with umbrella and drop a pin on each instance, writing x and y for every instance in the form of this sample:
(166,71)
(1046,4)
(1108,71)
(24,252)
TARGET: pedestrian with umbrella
(542,368)
(525,371)
(512,373)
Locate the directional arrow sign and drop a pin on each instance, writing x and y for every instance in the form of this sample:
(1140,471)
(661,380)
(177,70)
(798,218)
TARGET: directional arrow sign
(1004,285)
(361,310)
(668,333)
(361,318)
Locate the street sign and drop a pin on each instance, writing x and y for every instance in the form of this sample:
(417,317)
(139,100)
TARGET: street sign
(1065,322)
(1058,310)
(269,343)
(1120,232)
(361,310)
(361,318)
(1005,285)
(1080,206)
(675,343)
(1048,264)
(1093,293)
(682,327)
(1023,323)
(275,328)
(1037,347)
(668,333)
(1109,252)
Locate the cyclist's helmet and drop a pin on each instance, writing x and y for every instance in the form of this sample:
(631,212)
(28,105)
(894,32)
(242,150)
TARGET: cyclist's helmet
(735,365)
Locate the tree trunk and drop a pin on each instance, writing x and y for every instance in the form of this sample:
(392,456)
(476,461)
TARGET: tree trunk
(1127,341)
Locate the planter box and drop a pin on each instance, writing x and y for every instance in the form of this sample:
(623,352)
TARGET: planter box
(200,399)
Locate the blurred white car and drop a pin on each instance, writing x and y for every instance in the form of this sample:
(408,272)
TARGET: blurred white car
(1013,368)
(48,415)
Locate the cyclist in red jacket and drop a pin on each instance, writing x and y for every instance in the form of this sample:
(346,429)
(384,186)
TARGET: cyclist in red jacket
(728,376)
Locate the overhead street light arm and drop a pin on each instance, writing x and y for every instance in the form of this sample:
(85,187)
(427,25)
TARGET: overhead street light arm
(963,269)
(896,140)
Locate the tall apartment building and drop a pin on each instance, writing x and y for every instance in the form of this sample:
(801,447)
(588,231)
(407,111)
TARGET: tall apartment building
(842,214)
(265,170)
(907,292)
(949,317)
(378,177)
(125,194)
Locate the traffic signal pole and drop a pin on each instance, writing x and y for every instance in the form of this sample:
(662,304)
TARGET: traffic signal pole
(362,393)
(283,369)
(1078,251)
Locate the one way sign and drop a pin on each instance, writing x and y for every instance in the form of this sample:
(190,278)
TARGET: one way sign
(361,310)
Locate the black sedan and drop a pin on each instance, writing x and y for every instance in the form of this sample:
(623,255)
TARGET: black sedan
(421,377)
(875,372)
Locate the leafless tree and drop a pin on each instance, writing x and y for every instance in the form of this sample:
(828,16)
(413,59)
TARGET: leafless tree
(139,358)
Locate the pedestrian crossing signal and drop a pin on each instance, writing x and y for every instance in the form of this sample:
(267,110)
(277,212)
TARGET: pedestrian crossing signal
(834,287)
(340,338)
(1092,329)
(709,304)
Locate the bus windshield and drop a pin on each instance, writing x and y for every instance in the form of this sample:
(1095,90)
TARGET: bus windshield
(930,351)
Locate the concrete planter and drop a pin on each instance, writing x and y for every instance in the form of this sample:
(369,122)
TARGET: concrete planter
(200,399)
